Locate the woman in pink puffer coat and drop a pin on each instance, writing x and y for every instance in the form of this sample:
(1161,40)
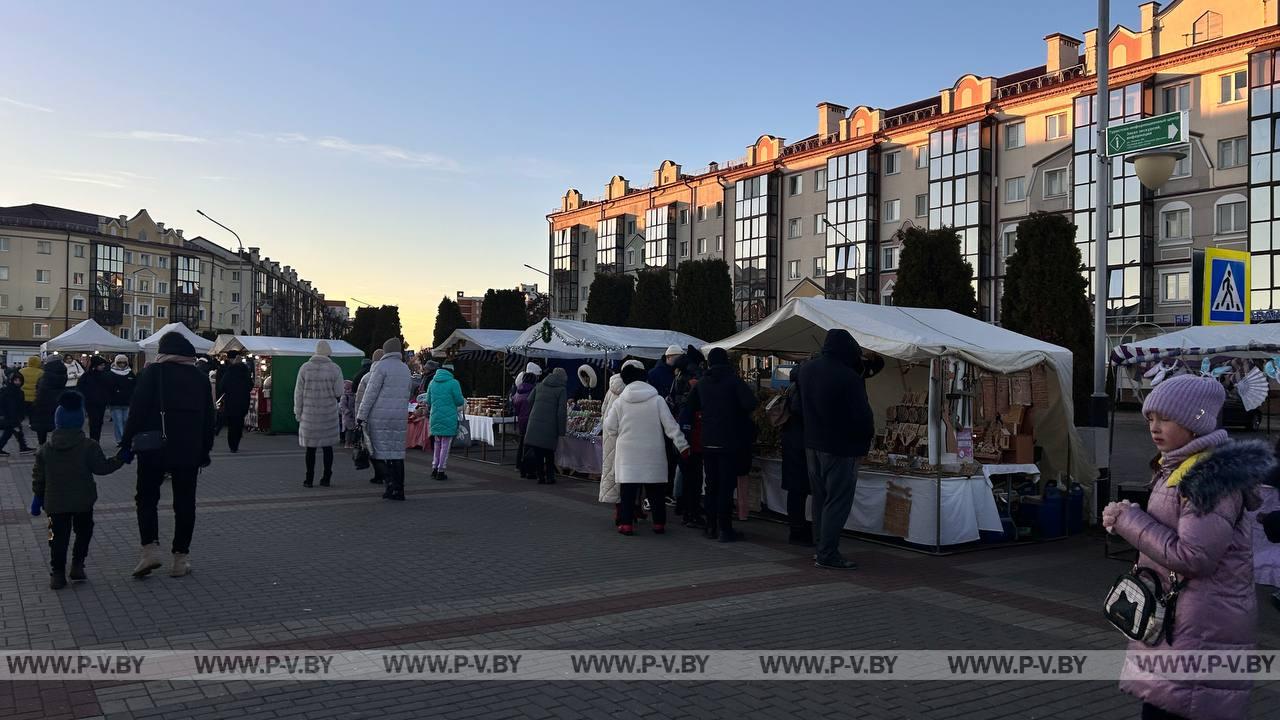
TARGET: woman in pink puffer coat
(1196,526)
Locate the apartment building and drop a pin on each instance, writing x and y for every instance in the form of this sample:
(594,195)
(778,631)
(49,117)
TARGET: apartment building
(133,276)
(470,307)
(823,215)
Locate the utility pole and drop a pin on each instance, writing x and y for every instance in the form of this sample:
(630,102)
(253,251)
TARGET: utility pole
(1102,221)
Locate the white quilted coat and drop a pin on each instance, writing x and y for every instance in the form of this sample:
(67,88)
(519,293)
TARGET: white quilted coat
(634,434)
(608,485)
(315,402)
(384,407)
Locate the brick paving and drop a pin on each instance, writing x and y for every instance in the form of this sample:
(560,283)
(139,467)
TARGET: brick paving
(489,561)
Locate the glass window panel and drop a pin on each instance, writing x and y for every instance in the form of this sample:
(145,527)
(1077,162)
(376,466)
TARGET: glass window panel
(948,216)
(1115,284)
(1259,240)
(1260,169)
(1260,272)
(948,166)
(1132,189)
(1259,68)
(1115,251)
(1133,100)
(1260,135)
(1275,97)
(935,218)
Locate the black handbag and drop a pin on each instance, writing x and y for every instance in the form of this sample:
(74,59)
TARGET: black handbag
(360,454)
(153,440)
(1137,605)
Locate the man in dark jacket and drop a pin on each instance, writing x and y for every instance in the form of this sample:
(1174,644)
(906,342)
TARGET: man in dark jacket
(48,389)
(838,428)
(689,370)
(725,402)
(174,387)
(795,470)
(663,375)
(234,385)
(95,386)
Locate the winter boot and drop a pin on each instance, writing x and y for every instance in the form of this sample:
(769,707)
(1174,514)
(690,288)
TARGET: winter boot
(659,529)
(326,480)
(626,530)
(435,473)
(801,536)
(77,571)
(150,560)
(181,565)
(442,476)
(730,535)
(57,580)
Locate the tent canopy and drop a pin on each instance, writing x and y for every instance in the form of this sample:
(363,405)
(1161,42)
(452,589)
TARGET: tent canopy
(918,335)
(89,336)
(1258,341)
(574,339)
(152,342)
(471,341)
(281,346)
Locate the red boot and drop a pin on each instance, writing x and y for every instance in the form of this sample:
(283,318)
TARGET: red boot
(659,529)
(626,530)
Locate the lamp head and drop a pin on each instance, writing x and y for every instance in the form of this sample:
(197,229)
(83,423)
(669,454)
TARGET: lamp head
(1155,167)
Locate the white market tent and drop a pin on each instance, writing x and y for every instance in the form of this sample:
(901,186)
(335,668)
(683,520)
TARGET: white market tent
(573,339)
(89,336)
(470,341)
(918,336)
(151,344)
(280,346)
(1250,341)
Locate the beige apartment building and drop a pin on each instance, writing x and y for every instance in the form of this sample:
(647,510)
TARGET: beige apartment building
(134,275)
(823,215)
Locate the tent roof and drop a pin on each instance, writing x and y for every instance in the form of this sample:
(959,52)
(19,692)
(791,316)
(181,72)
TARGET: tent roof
(281,346)
(152,341)
(89,336)
(1258,340)
(473,340)
(574,339)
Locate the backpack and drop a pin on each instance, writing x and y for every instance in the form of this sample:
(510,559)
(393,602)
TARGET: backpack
(778,409)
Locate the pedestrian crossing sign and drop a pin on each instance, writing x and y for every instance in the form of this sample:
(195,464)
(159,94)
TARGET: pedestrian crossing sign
(1226,287)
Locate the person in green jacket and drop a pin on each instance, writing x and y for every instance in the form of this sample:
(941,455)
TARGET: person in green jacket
(444,397)
(62,481)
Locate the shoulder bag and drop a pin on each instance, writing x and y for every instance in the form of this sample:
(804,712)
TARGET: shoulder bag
(1138,606)
(152,440)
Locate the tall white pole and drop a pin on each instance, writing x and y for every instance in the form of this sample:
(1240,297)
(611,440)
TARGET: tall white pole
(1102,222)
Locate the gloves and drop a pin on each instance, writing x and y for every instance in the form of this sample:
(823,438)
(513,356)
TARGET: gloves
(37,504)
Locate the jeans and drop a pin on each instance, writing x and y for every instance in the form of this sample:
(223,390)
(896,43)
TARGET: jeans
(119,416)
(630,493)
(60,526)
(311,463)
(722,480)
(11,432)
(440,456)
(833,479)
(150,477)
(95,413)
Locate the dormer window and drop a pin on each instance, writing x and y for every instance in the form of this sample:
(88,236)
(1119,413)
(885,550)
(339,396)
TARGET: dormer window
(1208,27)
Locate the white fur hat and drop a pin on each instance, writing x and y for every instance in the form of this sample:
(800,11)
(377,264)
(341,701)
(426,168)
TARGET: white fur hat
(587,376)
(533,368)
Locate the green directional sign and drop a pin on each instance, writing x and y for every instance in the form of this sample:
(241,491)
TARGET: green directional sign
(1147,133)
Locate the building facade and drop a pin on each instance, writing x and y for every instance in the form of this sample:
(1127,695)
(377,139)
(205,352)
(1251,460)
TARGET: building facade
(825,214)
(133,276)
(470,307)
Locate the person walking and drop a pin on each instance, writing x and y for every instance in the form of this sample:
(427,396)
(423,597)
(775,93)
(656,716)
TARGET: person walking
(31,374)
(609,492)
(548,418)
(95,386)
(12,410)
(636,431)
(347,413)
(74,369)
(663,374)
(838,428)
(689,370)
(795,469)
(234,386)
(48,389)
(172,409)
(725,402)
(365,365)
(384,397)
(520,396)
(379,470)
(1196,528)
(63,486)
(315,405)
(444,398)
(122,383)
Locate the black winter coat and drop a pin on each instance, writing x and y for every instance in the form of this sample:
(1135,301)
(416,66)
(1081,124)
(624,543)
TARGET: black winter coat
(189,416)
(48,389)
(234,385)
(95,386)
(121,388)
(795,465)
(13,406)
(725,402)
(833,399)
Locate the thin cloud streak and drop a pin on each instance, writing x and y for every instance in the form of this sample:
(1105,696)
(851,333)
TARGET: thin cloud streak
(373,151)
(88,181)
(25,105)
(152,136)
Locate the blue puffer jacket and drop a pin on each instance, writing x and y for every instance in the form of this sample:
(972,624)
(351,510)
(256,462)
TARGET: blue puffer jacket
(445,397)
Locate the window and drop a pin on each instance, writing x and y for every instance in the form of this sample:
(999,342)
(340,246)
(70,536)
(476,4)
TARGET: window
(77,278)
(891,164)
(1055,182)
(4,329)
(42,303)
(1175,287)
(793,228)
(161,311)
(684,216)
(235,276)
(162,262)
(44,247)
(820,180)
(1015,135)
(1233,152)
(128,284)
(684,248)
(79,250)
(892,209)
(702,213)
(631,228)
(201,314)
(922,157)
(1207,27)
(1233,87)
(77,304)
(1177,97)
(144,259)
(886,296)
(42,276)
(720,243)
(1055,126)
(1231,217)
(889,257)
(128,257)
(235,317)
(4,302)
(235,297)
(4,244)
(702,246)
(4,272)
(1015,189)
(795,184)
(162,287)
(144,286)
(719,212)
(128,308)
(922,205)
(1009,239)
(820,266)
(793,269)
(1176,224)
(1182,168)
(144,309)
(40,330)
(819,223)
(124,333)
(143,333)
(631,257)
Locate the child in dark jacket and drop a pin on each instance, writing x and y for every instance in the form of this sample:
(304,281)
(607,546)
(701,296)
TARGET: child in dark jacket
(62,481)
(13,408)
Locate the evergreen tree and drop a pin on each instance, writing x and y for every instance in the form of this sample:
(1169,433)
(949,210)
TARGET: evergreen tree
(932,273)
(609,300)
(703,304)
(651,307)
(386,326)
(503,310)
(448,318)
(361,332)
(1046,295)
(539,309)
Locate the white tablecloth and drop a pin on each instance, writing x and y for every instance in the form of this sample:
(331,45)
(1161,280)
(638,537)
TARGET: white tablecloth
(990,470)
(967,506)
(482,427)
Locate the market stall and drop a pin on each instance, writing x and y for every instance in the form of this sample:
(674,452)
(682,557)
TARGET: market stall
(151,344)
(276,364)
(487,416)
(958,403)
(88,336)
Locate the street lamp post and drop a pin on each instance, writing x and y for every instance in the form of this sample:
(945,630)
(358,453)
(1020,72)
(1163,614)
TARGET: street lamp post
(241,264)
(1102,221)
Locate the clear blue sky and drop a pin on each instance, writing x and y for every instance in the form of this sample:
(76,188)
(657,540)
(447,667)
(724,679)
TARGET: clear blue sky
(397,152)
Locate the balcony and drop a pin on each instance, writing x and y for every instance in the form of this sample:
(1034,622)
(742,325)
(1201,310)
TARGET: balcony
(1040,82)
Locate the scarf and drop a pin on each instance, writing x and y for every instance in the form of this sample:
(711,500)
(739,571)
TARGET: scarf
(121,373)
(176,359)
(1178,462)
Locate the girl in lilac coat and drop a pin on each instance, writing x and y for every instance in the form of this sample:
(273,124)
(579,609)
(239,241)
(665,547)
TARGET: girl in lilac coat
(1196,526)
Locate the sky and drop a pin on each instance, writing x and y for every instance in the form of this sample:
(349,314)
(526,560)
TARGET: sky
(397,152)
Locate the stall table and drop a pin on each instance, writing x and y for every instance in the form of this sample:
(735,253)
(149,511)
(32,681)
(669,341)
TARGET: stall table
(584,455)
(490,432)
